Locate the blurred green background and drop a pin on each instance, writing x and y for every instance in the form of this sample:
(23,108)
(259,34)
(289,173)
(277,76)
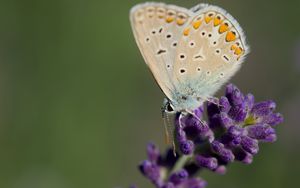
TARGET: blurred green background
(78,104)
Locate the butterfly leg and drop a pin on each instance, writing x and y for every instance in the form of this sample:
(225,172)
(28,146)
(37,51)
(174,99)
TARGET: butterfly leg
(214,100)
(195,116)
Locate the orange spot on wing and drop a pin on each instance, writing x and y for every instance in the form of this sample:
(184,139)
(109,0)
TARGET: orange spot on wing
(180,21)
(238,51)
(208,19)
(223,28)
(169,19)
(233,47)
(186,31)
(217,21)
(230,36)
(197,24)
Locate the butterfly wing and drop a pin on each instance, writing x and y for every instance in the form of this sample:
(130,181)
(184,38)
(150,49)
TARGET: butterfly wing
(211,49)
(157,28)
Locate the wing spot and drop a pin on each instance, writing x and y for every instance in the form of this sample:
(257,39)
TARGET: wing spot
(161,51)
(192,44)
(209,35)
(153,32)
(203,33)
(182,56)
(198,57)
(226,58)
(198,69)
(168,66)
(218,51)
(174,44)
(182,70)
(222,74)
(168,36)
(160,30)
(208,73)
(147,39)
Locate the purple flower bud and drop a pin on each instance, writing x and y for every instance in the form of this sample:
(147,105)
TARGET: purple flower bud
(243,156)
(263,108)
(151,171)
(212,109)
(225,120)
(168,185)
(187,147)
(199,111)
(262,132)
(235,131)
(250,145)
(224,104)
(178,177)
(207,162)
(249,100)
(270,138)
(235,97)
(221,170)
(238,113)
(180,135)
(196,129)
(152,152)
(273,119)
(233,136)
(193,183)
(225,154)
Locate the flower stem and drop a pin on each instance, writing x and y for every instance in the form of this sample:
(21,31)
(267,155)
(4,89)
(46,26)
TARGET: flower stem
(180,163)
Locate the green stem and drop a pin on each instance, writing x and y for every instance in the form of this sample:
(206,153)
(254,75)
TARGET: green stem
(181,162)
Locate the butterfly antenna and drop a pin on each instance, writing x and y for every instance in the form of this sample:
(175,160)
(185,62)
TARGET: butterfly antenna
(169,131)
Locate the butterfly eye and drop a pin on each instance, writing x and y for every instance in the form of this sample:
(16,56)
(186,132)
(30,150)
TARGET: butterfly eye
(169,108)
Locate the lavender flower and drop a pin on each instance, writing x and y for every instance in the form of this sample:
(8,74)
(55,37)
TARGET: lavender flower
(235,127)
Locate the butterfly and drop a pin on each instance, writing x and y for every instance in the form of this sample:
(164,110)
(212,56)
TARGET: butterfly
(190,52)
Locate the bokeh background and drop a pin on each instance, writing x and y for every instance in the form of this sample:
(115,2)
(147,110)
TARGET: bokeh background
(78,104)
